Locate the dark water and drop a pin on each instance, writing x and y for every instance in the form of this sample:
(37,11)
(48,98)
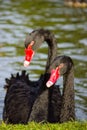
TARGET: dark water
(18,18)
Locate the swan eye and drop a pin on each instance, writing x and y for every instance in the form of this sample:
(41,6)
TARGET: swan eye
(30,45)
(61,65)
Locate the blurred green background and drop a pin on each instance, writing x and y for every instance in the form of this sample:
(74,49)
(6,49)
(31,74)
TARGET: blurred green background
(18,18)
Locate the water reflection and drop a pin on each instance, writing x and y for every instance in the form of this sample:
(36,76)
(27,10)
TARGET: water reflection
(70,28)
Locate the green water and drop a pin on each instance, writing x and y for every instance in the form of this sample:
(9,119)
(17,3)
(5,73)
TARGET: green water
(18,18)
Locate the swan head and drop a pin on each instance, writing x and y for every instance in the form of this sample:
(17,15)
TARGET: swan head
(63,65)
(32,43)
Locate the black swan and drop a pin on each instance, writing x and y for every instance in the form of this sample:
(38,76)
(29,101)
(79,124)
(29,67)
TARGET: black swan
(34,101)
(50,103)
(18,99)
(64,66)
(21,92)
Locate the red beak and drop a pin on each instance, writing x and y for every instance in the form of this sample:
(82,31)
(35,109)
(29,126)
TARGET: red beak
(29,53)
(55,74)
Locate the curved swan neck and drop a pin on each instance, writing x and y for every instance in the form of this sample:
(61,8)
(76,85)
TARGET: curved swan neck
(68,103)
(39,36)
(68,79)
(52,50)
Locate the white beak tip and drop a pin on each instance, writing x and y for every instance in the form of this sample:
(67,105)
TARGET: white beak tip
(49,84)
(26,63)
